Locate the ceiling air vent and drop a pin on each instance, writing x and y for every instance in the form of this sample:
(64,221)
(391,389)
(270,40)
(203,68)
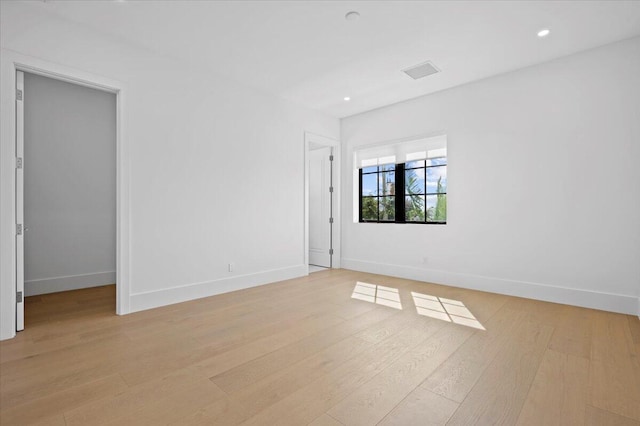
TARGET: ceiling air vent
(421,70)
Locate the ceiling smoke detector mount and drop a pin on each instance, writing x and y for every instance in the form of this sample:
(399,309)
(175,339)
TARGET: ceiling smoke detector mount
(421,70)
(352,16)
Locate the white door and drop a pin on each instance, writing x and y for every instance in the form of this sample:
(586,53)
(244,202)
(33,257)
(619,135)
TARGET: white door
(20,229)
(320,205)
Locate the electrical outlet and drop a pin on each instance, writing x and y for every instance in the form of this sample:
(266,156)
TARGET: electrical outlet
(232,266)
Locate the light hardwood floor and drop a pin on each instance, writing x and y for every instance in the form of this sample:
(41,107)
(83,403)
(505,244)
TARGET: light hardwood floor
(304,351)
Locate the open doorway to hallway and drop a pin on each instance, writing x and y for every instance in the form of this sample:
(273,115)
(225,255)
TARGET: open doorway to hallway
(65,188)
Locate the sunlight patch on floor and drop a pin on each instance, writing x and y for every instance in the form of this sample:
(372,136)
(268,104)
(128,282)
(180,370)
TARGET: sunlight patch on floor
(439,308)
(378,294)
(445,310)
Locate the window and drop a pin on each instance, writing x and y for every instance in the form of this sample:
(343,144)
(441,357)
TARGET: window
(404,183)
(425,184)
(378,193)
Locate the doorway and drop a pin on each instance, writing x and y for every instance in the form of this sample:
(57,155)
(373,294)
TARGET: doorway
(322,203)
(66,187)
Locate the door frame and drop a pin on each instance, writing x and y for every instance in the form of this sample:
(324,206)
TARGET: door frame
(12,62)
(310,138)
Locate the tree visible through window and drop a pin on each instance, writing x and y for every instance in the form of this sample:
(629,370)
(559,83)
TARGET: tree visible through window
(426,190)
(378,193)
(410,192)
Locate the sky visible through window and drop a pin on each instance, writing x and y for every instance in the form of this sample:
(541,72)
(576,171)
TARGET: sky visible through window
(421,186)
(373,184)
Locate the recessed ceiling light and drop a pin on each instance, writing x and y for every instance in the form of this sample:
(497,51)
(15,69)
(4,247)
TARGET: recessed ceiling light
(352,16)
(544,32)
(347,98)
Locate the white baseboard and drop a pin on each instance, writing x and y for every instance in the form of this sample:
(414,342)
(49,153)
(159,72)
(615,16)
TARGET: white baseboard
(568,296)
(71,282)
(169,296)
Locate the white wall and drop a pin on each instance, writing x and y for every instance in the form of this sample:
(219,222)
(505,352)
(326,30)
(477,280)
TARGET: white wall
(544,183)
(70,185)
(216,167)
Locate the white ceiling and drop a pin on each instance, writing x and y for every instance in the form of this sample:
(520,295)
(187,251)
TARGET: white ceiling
(307,52)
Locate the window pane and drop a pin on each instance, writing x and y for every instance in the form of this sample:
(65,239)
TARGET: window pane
(414,181)
(387,183)
(414,164)
(371,169)
(369,208)
(387,167)
(440,161)
(437,208)
(414,208)
(370,184)
(436,179)
(387,208)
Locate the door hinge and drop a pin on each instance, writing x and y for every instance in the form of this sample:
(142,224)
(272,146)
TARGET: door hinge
(18,94)
(19,297)
(331,189)
(331,252)
(18,162)
(18,229)
(330,220)
(331,157)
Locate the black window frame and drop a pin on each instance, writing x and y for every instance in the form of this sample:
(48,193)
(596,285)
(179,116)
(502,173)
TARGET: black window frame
(399,193)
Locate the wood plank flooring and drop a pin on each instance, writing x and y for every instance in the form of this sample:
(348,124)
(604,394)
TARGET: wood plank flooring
(304,351)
